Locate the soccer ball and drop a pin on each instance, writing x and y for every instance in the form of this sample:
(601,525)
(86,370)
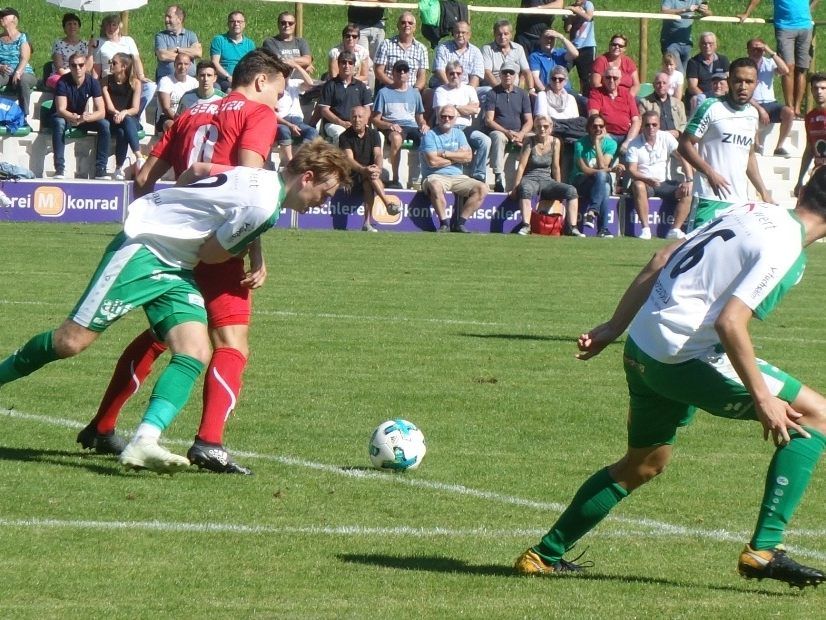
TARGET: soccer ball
(394,205)
(397,445)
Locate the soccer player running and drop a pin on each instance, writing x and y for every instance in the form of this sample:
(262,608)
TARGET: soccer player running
(815,123)
(237,130)
(718,141)
(689,347)
(149,264)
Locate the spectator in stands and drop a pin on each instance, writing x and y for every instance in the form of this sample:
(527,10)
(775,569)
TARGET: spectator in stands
(594,161)
(173,41)
(768,108)
(463,97)
(669,109)
(676,78)
(580,28)
(78,102)
(339,95)
(111,42)
(502,50)
(350,43)
(815,123)
(207,76)
(547,56)
(616,58)
(719,84)
(618,109)
(508,118)
(700,69)
(675,35)
(291,125)
(539,175)
(370,22)
(794,30)
(227,49)
(65,47)
(648,164)
(362,145)
(444,151)
(16,74)
(461,50)
(399,112)
(288,46)
(402,46)
(530,26)
(561,107)
(171,89)
(122,99)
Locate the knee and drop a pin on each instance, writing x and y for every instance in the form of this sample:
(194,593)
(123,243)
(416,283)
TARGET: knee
(230,337)
(70,339)
(633,471)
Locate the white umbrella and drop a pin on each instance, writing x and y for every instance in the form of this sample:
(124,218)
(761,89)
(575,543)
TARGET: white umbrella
(99,6)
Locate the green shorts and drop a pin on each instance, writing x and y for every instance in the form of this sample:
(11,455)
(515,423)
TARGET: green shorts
(706,210)
(664,397)
(130,276)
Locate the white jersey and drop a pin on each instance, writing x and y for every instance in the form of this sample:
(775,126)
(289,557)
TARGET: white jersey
(236,206)
(753,252)
(726,135)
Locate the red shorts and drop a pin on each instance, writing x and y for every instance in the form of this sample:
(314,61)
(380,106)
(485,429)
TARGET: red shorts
(227,302)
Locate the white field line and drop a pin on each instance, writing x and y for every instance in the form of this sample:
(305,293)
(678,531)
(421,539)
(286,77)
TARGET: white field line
(649,527)
(330,316)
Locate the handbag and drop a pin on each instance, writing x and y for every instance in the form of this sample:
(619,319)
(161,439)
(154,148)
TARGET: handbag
(548,219)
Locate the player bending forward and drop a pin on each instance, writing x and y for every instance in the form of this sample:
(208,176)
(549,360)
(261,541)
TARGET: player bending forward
(689,347)
(149,264)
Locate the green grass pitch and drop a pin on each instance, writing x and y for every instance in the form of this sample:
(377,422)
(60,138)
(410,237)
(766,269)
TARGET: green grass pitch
(470,337)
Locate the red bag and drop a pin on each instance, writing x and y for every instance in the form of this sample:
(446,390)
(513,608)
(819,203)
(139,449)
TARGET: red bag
(548,219)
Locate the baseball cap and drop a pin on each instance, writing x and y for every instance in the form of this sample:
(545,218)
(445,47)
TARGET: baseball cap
(9,11)
(719,75)
(401,64)
(509,66)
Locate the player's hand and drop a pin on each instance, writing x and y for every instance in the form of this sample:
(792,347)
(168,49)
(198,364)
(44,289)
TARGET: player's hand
(593,342)
(719,185)
(766,196)
(777,418)
(255,277)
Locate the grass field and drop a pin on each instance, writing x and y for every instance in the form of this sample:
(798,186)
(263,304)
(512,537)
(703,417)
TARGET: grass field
(470,337)
(323,26)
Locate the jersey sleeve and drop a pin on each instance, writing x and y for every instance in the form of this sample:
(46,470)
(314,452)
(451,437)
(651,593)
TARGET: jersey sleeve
(776,268)
(698,125)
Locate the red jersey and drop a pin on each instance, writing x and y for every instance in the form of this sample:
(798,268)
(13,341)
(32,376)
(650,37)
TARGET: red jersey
(217,131)
(816,135)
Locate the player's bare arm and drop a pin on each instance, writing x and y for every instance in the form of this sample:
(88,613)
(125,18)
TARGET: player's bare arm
(594,341)
(776,415)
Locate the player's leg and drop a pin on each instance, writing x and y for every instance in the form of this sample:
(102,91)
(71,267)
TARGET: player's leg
(229,307)
(66,341)
(189,344)
(653,420)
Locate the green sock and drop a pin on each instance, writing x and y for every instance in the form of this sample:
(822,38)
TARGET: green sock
(172,390)
(591,504)
(786,481)
(32,356)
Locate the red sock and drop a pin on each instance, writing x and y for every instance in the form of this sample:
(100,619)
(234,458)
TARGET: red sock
(222,385)
(133,367)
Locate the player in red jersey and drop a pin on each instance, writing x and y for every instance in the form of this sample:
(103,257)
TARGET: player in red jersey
(237,130)
(815,129)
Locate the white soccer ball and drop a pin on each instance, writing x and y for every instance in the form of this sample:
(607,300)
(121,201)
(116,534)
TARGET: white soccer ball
(397,445)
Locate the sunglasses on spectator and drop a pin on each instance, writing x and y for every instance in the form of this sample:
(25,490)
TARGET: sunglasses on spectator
(558,79)
(446,116)
(617,44)
(652,124)
(286,23)
(346,62)
(508,72)
(401,70)
(351,36)
(77,65)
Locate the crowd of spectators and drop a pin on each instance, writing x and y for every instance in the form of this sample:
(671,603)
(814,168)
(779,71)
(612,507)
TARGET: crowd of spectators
(514,93)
